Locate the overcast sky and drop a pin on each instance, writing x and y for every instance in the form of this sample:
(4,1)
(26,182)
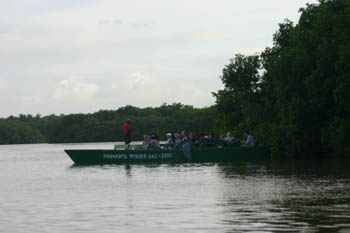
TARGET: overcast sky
(71,56)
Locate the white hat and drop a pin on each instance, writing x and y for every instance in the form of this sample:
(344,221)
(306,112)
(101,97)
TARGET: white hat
(168,134)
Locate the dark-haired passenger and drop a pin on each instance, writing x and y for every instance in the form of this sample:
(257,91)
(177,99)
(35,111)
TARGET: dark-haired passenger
(192,137)
(155,142)
(250,140)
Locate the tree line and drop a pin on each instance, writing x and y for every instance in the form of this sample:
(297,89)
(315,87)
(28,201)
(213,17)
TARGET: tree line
(106,125)
(294,96)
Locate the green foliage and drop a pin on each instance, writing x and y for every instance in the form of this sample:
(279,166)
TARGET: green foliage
(337,137)
(299,104)
(106,125)
(241,94)
(13,132)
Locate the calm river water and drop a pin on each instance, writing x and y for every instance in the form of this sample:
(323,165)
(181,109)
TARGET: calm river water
(40,191)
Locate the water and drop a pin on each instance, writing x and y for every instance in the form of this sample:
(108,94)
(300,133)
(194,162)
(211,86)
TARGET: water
(40,191)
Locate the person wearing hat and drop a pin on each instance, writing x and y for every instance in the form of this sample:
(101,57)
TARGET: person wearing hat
(127,131)
(169,140)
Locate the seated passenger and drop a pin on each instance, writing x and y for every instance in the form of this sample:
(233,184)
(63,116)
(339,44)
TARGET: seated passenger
(199,140)
(146,139)
(177,140)
(229,138)
(250,140)
(207,141)
(155,142)
(169,140)
(183,135)
(192,137)
(212,141)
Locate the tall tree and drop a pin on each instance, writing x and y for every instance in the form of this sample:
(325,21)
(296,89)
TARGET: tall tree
(301,97)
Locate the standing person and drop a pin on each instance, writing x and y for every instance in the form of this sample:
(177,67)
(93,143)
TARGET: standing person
(250,140)
(127,131)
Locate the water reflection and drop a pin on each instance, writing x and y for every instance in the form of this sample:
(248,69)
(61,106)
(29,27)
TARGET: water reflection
(288,196)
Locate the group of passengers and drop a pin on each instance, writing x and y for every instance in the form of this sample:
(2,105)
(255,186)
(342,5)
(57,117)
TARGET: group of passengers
(152,141)
(202,140)
(229,140)
(176,140)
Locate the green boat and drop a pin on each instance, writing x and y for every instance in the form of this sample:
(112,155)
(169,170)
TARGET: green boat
(131,154)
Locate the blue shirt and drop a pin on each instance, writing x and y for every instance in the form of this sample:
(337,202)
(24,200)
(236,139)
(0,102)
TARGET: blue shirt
(250,141)
(168,142)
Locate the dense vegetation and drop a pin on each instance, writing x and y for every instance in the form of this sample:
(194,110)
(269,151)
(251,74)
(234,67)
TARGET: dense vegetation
(106,125)
(294,96)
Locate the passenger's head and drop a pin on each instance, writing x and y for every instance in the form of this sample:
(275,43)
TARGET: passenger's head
(183,133)
(168,135)
(145,137)
(246,133)
(177,136)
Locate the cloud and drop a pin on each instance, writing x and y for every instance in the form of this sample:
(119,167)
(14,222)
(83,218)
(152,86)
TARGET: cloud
(144,89)
(141,24)
(139,81)
(110,21)
(3,83)
(142,53)
(33,99)
(72,90)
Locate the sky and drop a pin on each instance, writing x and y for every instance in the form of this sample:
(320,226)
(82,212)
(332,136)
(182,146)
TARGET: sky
(81,56)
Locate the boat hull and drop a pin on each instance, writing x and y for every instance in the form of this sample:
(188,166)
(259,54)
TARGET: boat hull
(204,155)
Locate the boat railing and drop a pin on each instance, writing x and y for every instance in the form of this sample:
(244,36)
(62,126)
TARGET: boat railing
(140,147)
(131,147)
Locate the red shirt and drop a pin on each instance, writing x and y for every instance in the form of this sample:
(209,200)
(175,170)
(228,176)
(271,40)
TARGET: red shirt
(127,127)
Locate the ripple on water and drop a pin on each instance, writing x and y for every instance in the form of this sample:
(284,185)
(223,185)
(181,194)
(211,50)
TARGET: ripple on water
(42,192)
